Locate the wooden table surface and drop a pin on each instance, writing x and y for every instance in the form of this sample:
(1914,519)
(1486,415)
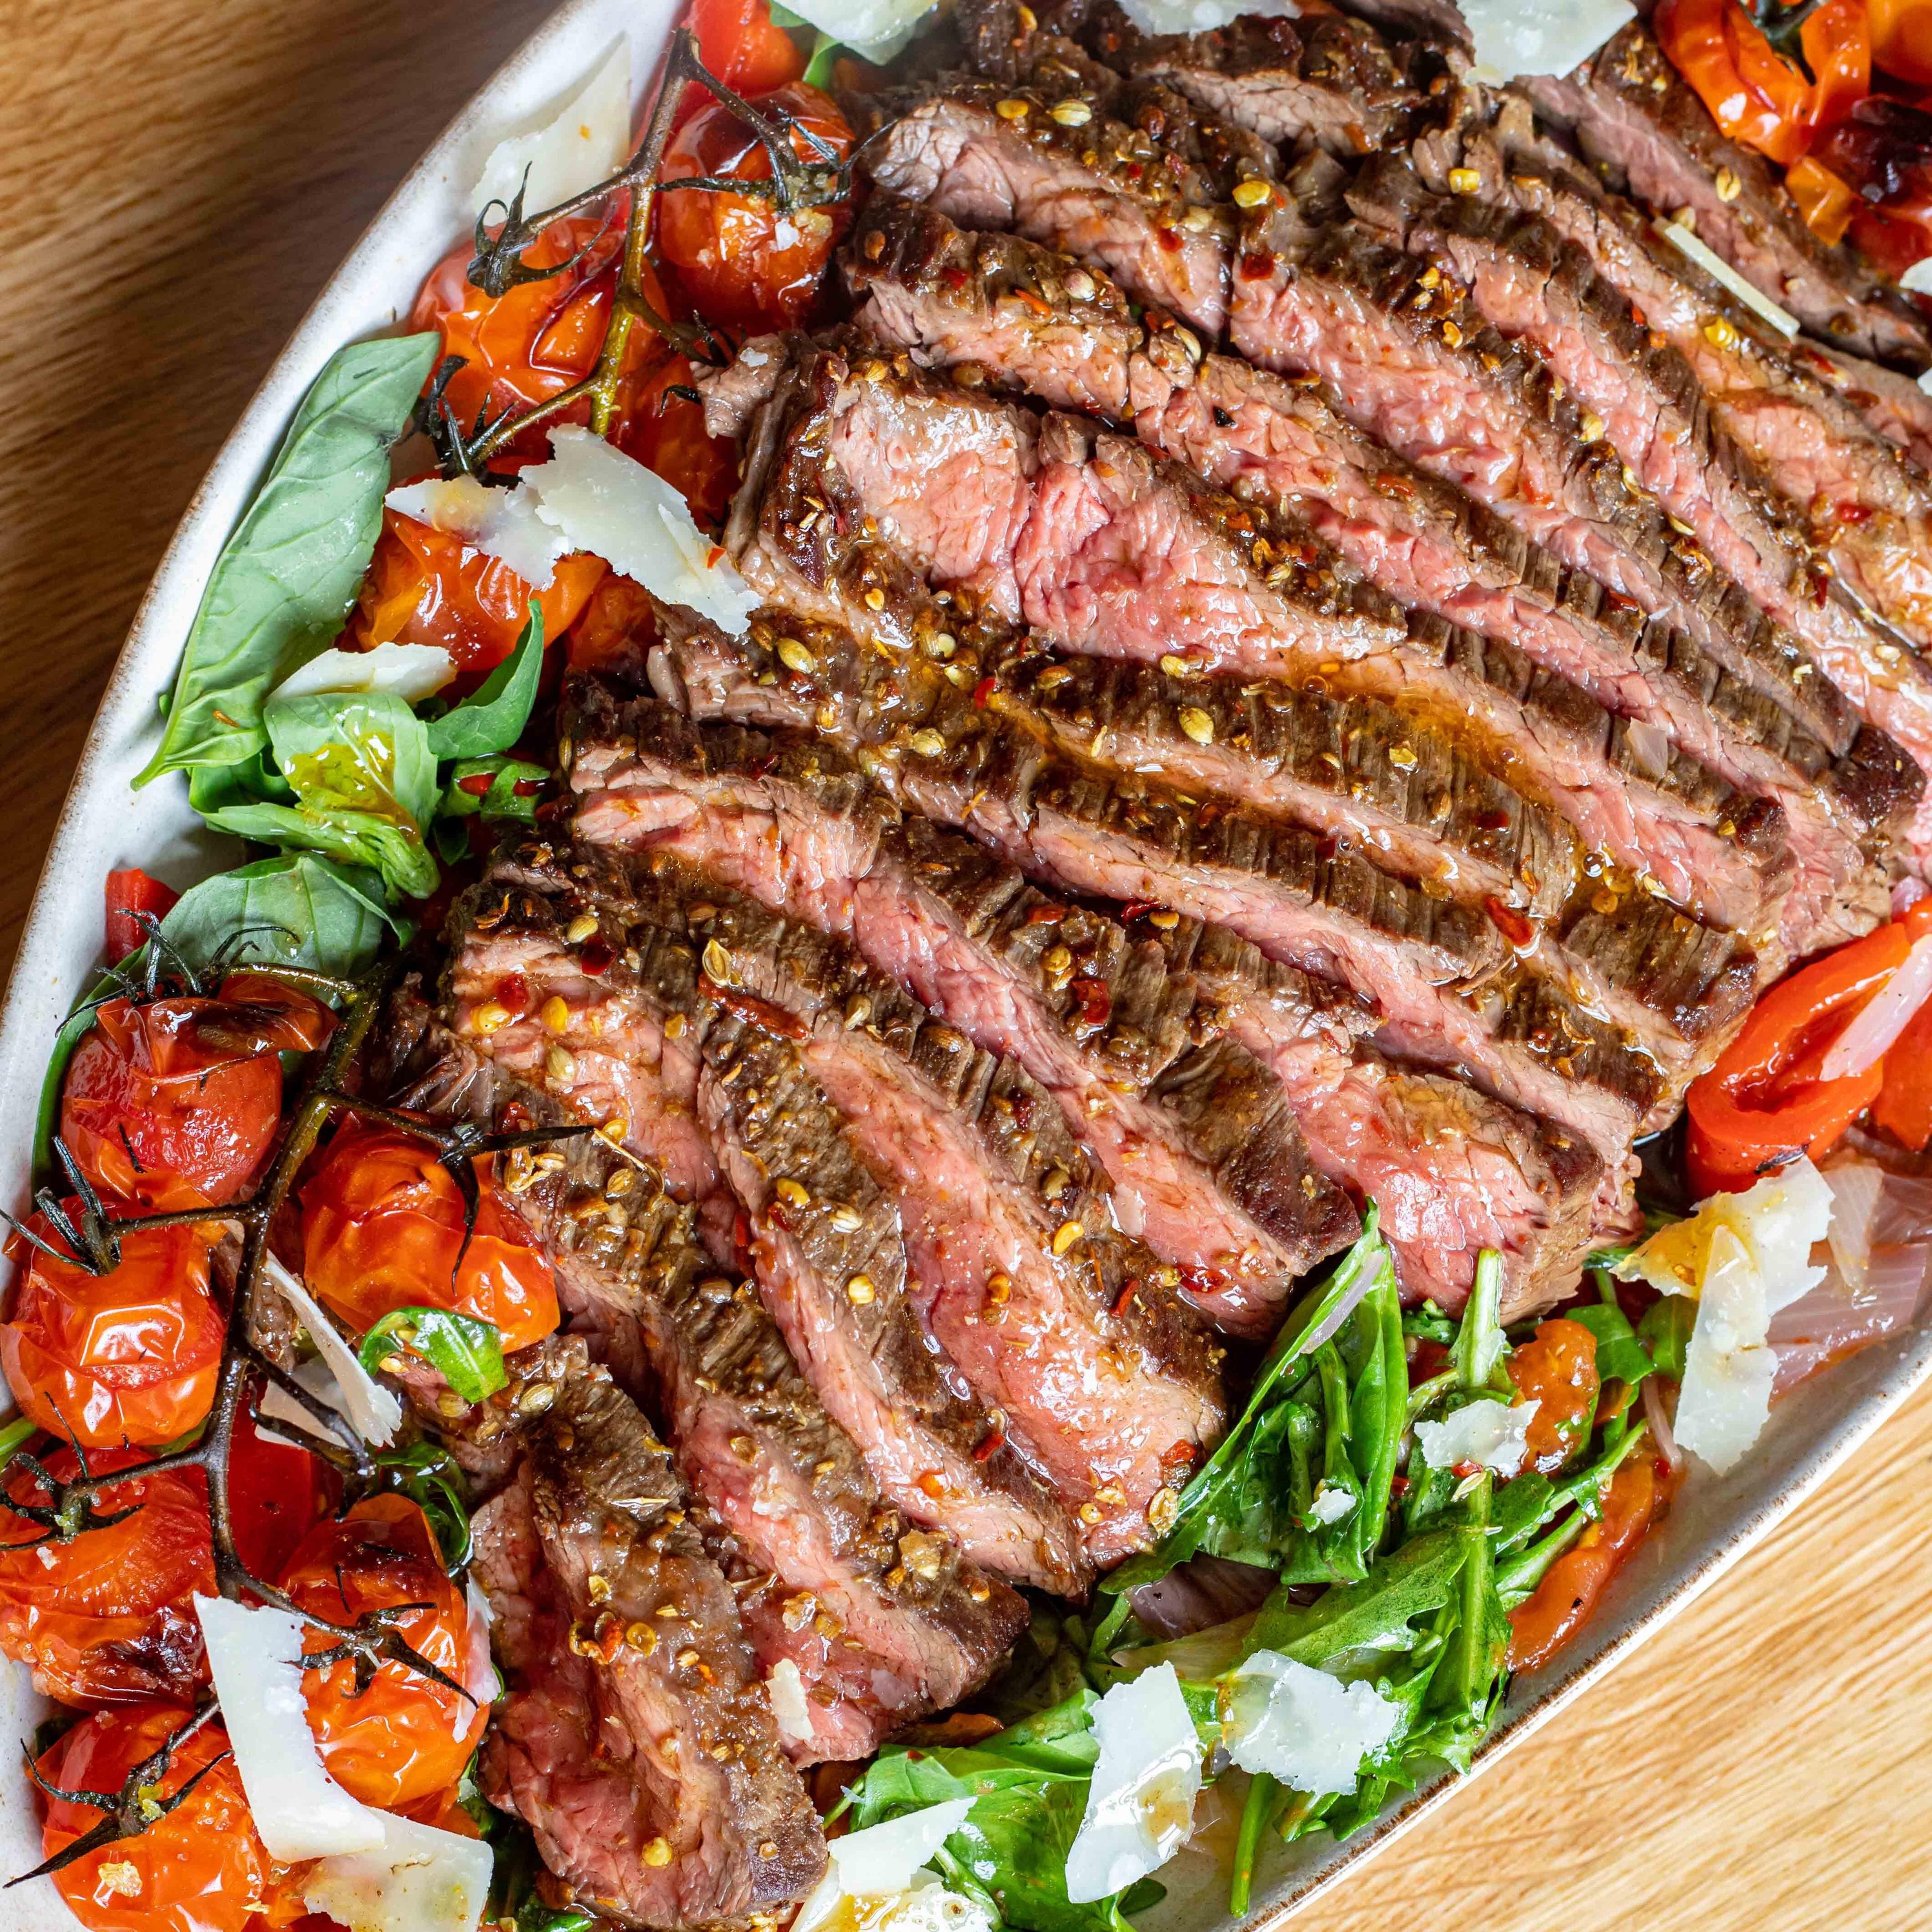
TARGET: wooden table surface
(179,178)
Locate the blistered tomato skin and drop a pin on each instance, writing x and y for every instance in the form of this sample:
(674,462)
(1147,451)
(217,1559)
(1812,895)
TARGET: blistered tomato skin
(1556,1369)
(743,262)
(200,1868)
(108,1617)
(382,1227)
(129,1356)
(406,1737)
(1565,1599)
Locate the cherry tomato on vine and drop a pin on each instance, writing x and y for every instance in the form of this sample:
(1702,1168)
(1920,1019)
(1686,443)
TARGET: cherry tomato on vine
(130,892)
(1556,1369)
(741,262)
(199,1868)
(741,44)
(426,587)
(277,1493)
(107,1617)
(381,1228)
(128,1356)
(173,1103)
(406,1737)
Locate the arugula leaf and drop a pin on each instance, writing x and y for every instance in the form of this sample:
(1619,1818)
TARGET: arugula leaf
(1478,1642)
(294,910)
(286,580)
(1232,1505)
(468,1353)
(1665,1334)
(1621,1357)
(1480,1345)
(492,718)
(1413,1579)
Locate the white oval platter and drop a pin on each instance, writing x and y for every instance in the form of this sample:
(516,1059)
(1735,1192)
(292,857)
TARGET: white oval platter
(104,824)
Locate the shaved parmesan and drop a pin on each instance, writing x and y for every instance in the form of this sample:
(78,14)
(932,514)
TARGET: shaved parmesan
(1198,16)
(479,1668)
(1329,1505)
(411,672)
(875,1879)
(316,1377)
(1140,1805)
(879,28)
(790,1706)
(1525,36)
(1714,265)
(585,141)
(1744,1257)
(1925,380)
(609,504)
(1917,280)
(255,1659)
(414,1879)
(502,523)
(1302,1725)
(1494,1434)
(374,1412)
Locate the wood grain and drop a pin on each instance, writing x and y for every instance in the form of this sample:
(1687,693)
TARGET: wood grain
(179,178)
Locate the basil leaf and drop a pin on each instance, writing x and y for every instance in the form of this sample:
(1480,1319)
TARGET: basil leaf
(493,718)
(825,50)
(350,837)
(286,580)
(433,1480)
(500,799)
(467,1353)
(295,910)
(1665,1332)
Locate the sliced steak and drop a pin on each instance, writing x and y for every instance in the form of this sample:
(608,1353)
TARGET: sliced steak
(1029,317)
(872,1365)
(636,1742)
(964,929)
(1640,122)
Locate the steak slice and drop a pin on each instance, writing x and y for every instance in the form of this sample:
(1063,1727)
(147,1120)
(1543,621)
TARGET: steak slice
(873,1366)
(1637,120)
(1117,552)
(636,1742)
(1032,320)
(965,929)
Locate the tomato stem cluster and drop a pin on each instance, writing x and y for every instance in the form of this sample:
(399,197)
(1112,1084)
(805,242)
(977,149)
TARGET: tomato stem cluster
(796,184)
(94,1236)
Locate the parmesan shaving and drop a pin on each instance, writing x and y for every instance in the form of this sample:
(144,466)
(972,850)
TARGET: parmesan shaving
(502,523)
(1494,1434)
(1917,280)
(1140,1804)
(1303,1726)
(1514,37)
(609,504)
(255,1659)
(414,1879)
(411,672)
(375,1413)
(1714,265)
(586,141)
(316,1376)
(790,1706)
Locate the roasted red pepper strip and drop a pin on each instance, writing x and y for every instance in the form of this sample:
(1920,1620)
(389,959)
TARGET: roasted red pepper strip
(1763,1099)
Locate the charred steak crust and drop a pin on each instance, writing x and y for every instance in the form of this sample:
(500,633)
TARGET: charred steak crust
(637,1742)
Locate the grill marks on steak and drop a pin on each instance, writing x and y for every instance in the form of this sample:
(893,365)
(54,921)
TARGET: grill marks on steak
(1454,1170)
(997,303)
(874,1369)
(615,1749)
(1634,115)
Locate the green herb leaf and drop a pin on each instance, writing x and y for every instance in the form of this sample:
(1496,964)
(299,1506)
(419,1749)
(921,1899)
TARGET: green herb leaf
(286,580)
(467,1353)
(1376,1614)
(1480,1345)
(493,718)
(296,910)
(1665,1334)
(14,1438)
(1621,1357)
(501,799)
(433,1480)
(825,50)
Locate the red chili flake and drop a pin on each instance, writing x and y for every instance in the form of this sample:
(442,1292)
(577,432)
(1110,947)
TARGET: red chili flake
(1514,926)
(1129,1288)
(752,1010)
(1176,1460)
(989,1445)
(1398,1486)
(1139,908)
(1852,513)
(595,956)
(514,1117)
(1133,171)
(954,279)
(1092,1003)
(512,993)
(1046,915)
(476,785)
(982,692)
(1033,301)
(1465,1469)
(527,788)
(1169,238)
(1198,1281)
(714,557)
(1256,267)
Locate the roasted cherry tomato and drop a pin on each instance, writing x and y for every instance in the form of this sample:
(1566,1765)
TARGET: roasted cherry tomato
(107,1617)
(1556,1369)
(382,1227)
(406,1737)
(741,44)
(199,1868)
(741,262)
(277,1494)
(128,1356)
(1569,1593)
(1901,38)
(173,1104)
(130,892)
(425,586)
